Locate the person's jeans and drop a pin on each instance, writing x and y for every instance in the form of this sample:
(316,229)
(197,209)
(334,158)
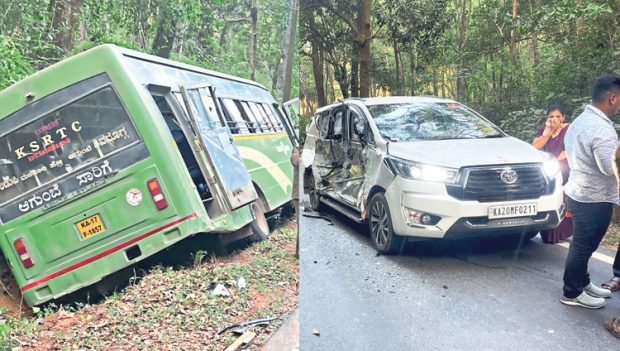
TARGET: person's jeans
(590,222)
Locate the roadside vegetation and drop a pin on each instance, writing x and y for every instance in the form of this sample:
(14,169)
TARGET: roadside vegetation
(172,307)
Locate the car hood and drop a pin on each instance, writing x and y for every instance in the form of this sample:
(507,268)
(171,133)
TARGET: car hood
(458,153)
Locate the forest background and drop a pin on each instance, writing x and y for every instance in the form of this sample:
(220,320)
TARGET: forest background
(246,38)
(507,59)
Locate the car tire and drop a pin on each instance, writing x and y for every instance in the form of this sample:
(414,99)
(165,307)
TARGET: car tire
(315,200)
(259,226)
(380,226)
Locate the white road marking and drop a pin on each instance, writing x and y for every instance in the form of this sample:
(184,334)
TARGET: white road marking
(597,255)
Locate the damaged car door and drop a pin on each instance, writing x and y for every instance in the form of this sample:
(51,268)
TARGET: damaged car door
(344,154)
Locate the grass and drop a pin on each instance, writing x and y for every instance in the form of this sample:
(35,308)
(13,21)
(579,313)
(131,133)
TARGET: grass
(172,308)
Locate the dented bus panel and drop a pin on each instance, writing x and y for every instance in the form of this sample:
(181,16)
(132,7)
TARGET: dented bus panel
(101,166)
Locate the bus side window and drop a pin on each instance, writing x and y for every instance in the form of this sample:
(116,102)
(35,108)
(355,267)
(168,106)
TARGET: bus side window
(208,102)
(257,119)
(247,116)
(272,117)
(238,121)
(262,117)
(230,122)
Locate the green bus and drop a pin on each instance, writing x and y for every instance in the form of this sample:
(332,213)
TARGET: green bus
(112,155)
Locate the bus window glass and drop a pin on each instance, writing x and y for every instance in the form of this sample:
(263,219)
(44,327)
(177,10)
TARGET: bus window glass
(236,115)
(208,102)
(65,142)
(245,109)
(206,121)
(272,117)
(261,116)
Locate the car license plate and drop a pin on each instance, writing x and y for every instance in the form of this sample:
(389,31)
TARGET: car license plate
(508,211)
(90,226)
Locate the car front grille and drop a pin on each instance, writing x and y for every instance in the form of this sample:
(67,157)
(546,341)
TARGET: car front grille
(486,185)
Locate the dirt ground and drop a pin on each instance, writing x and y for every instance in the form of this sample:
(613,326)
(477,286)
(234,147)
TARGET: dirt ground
(170,307)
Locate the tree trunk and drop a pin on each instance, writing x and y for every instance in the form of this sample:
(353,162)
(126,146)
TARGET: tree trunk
(398,68)
(435,85)
(413,68)
(355,64)
(513,42)
(63,23)
(340,73)
(330,81)
(464,23)
(290,49)
(164,38)
(253,37)
(364,38)
(317,69)
(535,50)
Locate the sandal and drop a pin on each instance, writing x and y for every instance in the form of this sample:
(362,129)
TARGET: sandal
(612,284)
(613,325)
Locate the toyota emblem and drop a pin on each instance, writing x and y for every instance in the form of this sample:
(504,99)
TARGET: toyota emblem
(509,176)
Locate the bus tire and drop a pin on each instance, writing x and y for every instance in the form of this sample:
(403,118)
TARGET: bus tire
(259,226)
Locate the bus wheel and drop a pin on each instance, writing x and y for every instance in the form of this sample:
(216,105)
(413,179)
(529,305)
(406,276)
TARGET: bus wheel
(259,226)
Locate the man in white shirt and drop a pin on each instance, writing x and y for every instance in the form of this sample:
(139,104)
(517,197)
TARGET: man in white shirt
(591,190)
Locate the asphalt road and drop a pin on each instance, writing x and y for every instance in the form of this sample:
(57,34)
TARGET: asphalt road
(471,295)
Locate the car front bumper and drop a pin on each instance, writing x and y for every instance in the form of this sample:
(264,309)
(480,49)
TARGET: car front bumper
(465,218)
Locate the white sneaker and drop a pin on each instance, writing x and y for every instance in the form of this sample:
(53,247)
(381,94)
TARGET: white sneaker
(596,291)
(584,300)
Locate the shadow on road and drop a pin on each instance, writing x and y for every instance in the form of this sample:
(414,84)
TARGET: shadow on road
(431,247)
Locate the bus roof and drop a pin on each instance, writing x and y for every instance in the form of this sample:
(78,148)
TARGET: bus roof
(103,58)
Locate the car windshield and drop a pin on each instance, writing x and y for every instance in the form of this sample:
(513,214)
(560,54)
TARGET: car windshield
(430,121)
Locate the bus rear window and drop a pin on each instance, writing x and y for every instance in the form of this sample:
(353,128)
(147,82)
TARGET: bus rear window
(73,140)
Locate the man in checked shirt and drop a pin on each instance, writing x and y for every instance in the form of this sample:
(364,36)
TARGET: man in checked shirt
(591,190)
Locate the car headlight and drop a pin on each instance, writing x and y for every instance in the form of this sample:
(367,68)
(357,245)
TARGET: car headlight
(420,171)
(551,167)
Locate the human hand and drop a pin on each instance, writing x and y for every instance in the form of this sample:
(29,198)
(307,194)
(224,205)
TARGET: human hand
(548,131)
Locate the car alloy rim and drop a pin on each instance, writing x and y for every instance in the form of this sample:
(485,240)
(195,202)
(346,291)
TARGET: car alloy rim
(379,225)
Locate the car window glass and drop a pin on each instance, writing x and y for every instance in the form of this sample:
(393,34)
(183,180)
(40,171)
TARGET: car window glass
(430,121)
(322,124)
(337,125)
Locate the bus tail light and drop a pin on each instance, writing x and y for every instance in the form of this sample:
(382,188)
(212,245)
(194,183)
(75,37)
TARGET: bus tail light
(23,253)
(157,194)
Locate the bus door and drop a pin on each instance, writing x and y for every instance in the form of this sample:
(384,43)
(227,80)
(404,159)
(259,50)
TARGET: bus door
(213,137)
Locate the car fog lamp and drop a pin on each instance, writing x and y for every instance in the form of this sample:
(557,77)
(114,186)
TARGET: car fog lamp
(426,219)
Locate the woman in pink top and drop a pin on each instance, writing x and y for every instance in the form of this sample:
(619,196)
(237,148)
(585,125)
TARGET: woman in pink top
(550,138)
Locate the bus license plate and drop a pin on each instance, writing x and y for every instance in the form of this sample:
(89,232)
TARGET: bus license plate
(507,211)
(90,226)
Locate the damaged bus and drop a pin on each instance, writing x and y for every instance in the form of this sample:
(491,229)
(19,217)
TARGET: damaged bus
(113,155)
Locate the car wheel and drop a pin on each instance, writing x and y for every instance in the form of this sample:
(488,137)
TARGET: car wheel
(259,226)
(380,226)
(315,200)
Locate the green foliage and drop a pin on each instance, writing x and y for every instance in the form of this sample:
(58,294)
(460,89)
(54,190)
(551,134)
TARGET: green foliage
(13,65)
(523,124)
(209,33)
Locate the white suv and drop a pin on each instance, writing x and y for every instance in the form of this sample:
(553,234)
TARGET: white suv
(428,167)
